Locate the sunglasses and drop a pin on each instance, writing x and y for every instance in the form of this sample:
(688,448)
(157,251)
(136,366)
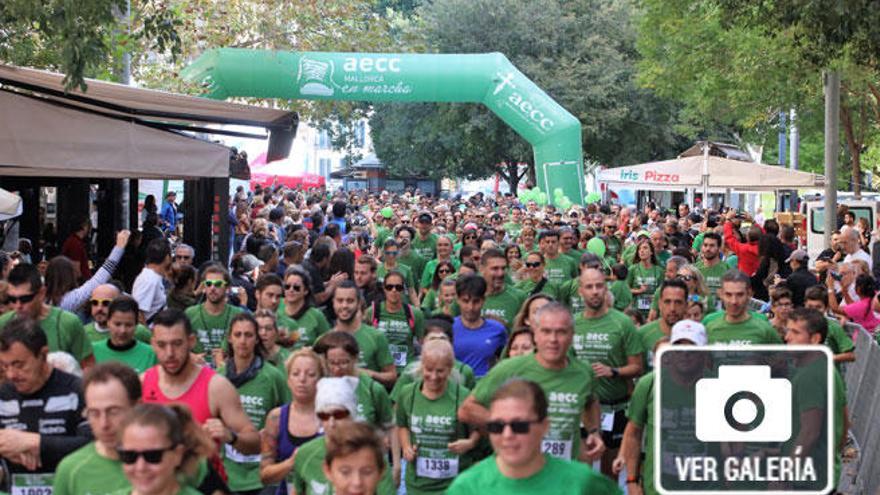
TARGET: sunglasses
(153,456)
(687,278)
(215,283)
(518,427)
(21,299)
(391,253)
(394,287)
(100,302)
(293,287)
(470,236)
(337,415)
(533,264)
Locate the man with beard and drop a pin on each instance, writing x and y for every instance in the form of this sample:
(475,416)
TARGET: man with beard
(210,320)
(568,384)
(213,400)
(269,291)
(502,303)
(673,302)
(374,355)
(606,340)
(683,374)
(710,264)
(99,306)
(424,243)
(365,279)
(559,268)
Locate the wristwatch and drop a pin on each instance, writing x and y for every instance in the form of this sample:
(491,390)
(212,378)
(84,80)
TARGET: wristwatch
(615,372)
(234,437)
(633,479)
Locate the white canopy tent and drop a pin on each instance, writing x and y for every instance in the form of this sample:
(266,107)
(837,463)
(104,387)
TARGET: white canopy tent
(709,174)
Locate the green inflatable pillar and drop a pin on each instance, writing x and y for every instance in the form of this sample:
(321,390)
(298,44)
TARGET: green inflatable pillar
(490,79)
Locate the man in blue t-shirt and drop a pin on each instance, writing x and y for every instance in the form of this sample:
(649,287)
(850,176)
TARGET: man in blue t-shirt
(477,341)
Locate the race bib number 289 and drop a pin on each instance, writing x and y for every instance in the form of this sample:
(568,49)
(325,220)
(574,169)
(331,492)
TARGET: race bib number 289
(561,449)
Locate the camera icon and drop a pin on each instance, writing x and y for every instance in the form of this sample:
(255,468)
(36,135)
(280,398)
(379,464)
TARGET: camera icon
(743,405)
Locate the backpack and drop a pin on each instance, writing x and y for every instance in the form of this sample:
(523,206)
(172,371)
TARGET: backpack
(407,311)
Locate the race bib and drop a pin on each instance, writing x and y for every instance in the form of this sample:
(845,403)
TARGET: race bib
(235,456)
(399,352)
(643,303)
(32,483)
(436,464)
(607,421)
(561,449)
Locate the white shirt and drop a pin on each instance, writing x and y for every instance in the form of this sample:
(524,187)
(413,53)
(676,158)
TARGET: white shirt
(859,255)
(149,292)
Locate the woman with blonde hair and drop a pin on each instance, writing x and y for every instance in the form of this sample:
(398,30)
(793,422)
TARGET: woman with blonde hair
(433,449)
(291,425)
(698,291)
(157,445)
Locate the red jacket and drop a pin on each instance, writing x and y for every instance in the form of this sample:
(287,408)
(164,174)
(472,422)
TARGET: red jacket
(746,252)
(75,249)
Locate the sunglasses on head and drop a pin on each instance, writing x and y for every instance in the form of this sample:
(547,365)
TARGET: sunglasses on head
(100,302)
(518,427)
(687,278)
(293,287)
(394,287)
(533,264)
(21,299)
(152,456)
(215,283)
(337,414)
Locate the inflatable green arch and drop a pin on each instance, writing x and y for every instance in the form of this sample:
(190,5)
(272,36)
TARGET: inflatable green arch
(491,79)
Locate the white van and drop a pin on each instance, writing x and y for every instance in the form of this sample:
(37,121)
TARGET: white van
(814,217)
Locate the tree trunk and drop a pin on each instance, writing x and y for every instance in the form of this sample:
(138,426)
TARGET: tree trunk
(531,171)
(854,149)
(512,176)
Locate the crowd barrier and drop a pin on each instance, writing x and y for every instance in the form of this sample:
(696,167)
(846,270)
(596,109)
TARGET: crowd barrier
(863,401)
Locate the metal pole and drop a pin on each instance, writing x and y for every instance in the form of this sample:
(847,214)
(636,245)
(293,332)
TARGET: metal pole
(782,139)
(126,79)
(705,178)
(832,147)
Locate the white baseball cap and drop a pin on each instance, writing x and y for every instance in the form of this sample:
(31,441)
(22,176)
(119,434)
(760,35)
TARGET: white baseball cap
(690,330)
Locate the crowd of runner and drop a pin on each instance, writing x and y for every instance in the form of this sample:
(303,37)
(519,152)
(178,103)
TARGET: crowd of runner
(383,343)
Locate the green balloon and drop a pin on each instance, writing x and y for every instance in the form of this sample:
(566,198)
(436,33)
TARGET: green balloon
(593,197)
(596,246)
(542,198)
(558,192)
(387,212)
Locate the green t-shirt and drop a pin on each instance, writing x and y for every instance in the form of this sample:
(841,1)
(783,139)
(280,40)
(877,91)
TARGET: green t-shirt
(551,289)
(613,247)
(837,340)
(141,333)
(712,277)
(432,425)
(622,295)
(650,333)
(503,306)
(410,375)
(752,331)
(573,254)
(382,235)
(568,391)
(426,248)
(513,229)
(279,358)
(718,314)
(210,329)
(374,404)
(139,357)
(651,277)
(307,477)
(431,266)
(678,424)
(557,477)
(64,332)
(259,395)
(609,339)
(85,472)
(396,328)
(414,262)
(308,327)
(560,269)
(569,294)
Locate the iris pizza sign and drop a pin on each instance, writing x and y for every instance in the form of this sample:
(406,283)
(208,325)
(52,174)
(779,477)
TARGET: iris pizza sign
(652,176)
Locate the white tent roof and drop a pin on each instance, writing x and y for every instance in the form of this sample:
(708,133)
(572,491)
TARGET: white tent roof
(723,173)
(39,138)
